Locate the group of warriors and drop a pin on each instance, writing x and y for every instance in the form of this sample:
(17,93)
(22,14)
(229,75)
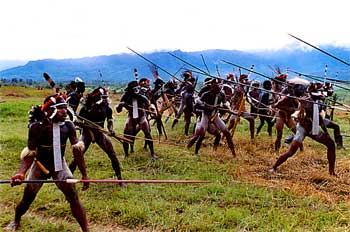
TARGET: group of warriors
(217,107)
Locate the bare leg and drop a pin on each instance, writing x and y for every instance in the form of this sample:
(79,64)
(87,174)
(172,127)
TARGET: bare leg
(292,150)
(75,205)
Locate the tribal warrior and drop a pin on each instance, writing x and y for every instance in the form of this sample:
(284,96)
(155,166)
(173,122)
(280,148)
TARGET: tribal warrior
(97,110)
(48,134)
(136,104)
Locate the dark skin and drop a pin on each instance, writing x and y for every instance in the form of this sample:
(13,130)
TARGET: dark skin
(134,125)
(186,91)
(286,107)
(40,135)
(323,138)
(99,113)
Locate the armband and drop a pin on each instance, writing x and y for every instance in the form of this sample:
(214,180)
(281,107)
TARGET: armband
(27,153)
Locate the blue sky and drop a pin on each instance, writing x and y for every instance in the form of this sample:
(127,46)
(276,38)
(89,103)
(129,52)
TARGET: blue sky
(39,29)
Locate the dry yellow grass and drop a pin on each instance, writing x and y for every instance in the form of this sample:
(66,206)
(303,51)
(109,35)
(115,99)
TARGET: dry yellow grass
(305,174)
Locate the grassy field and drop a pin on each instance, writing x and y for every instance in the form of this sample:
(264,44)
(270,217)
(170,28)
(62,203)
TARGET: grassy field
(242,195)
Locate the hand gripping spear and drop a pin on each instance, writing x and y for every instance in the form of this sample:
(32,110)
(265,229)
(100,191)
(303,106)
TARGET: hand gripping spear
(93,125)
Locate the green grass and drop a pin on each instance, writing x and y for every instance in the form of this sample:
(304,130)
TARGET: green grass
(228,203)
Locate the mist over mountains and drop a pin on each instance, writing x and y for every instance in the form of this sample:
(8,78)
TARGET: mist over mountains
(119,68)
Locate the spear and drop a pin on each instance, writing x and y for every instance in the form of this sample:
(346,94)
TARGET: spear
(339,103)
(334,80)
(205,64)
(235,83)
(317,78)
(327,53)
(93,125)
(102,81)
(74,181)
(217,70)
(202,71)
(154,64)
(252,71)
(174,143)
(281,94)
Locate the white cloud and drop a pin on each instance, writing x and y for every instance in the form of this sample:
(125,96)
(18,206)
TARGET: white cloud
(38,29)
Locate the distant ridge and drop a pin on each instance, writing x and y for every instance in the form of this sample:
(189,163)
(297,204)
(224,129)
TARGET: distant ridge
(119,68)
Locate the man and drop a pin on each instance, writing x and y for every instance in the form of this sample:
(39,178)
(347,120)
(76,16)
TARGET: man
(338,138)
(97,110)
(238,104)
(253,97)
(209,103)
(308,125)
(45,157)
(285,106)
(136,104)
(263,108)
(186,90)
(75,91)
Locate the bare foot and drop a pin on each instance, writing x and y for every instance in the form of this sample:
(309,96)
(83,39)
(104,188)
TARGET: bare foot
(12,226)
(154,156)
(332,173)
(272,170)
(233,152)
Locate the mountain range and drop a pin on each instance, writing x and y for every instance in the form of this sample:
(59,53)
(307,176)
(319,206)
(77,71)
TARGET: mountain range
(119,68)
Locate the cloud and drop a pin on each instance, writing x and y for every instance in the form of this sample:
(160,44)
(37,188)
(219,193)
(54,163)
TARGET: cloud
(37,29)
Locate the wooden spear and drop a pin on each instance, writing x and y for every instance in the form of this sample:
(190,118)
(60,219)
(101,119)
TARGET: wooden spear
(74,181)
(319,49)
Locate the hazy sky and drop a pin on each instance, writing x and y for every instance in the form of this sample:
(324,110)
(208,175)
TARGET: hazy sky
(39,29)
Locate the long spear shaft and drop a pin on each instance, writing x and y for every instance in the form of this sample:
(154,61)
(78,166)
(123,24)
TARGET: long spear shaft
(201,70)
(339,103)
(217,70)
(154,64)
(205,64)
(207,74)
(329,79)
(73,181)
(319,49)
(93,125)
(281,94)
(317,78)
(252,71)
(325,75)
